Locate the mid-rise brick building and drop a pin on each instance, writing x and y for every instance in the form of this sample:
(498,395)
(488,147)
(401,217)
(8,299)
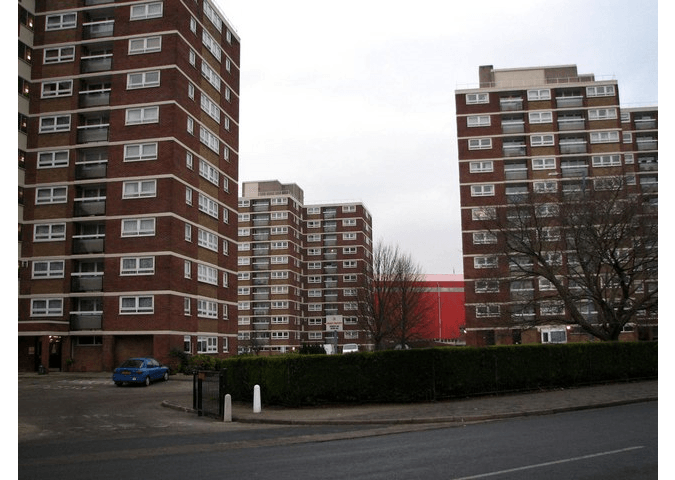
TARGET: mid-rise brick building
(539,135)
(128,150)
(299,269)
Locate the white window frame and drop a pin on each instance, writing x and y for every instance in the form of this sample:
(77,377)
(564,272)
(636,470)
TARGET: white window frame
(54,124)
(137,152)
(477,98)
(49,232)
(210,107)
(540,117)
(546,140)
(208,240)
(45,269)
(539,94)
(148,79)
(53,307)
(208,205)
(63,55)
(207,274)
(487,310)
(138,46)
(53,159)
(63,21)
(545,163)
(602,114)
(610,160)
(137,305)
(211,75)
(138,227)
(60,88)
(488,261)
(137,266)
(212,45)
(207,308)
(480,143)
(483,190)
(473,121)
(482,166)
(484,238)
(208,138)
(144,115)
(209,171)
(611,136)
(146,11)
(139,189)
(51,195)
(601,91)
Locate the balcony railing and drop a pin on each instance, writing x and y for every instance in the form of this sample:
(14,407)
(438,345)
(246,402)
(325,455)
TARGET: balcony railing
(645,123)
(510,104)
(96,63)
(513,126)
(88,244)
(571,101)
(514,149)
(86,320)
(85,207)
(98,29)
(86,283)
(95,98)
(92,133)
(572,146)
(91,170)
(571,124)
(647,144)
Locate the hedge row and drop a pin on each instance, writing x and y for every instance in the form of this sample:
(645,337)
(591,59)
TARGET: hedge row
(434,374)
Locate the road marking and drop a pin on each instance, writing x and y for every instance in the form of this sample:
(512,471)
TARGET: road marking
(547,464)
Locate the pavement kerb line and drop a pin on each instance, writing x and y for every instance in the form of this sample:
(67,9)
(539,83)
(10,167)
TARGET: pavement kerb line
(425,420)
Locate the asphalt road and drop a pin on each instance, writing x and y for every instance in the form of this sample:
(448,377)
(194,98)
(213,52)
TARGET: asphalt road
(91,429)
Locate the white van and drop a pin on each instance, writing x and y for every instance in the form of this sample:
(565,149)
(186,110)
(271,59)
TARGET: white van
(350,348)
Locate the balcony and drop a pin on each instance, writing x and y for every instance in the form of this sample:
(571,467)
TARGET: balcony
(330,268)
(85,207)
(646,143)
(86,320)
(330,227)
(645,123)
(567,101)
(83,244)
(261,325)
(261,279)
(261,220)
(648,164)
(94,95)
(572,145)
(261,206)
(329,213)
(97,62)
(86,283)
(92,133)
(515,171)
(507,104)
(330,240)
(84,171)
(514,149)
(513,126)
(330,282)
(571,123)
(261,265)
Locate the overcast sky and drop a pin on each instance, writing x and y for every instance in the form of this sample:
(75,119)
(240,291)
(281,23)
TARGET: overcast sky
(354,100)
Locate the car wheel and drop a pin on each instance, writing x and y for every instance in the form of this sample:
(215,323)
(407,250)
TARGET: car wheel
(166,376)
(119,384)
(147,381)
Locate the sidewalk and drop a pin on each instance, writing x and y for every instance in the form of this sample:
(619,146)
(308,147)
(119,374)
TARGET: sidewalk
(474,409)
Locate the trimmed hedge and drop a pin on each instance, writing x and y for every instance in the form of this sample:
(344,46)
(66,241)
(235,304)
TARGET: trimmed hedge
(400,376)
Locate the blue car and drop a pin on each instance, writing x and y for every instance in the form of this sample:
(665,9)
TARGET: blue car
(140,370)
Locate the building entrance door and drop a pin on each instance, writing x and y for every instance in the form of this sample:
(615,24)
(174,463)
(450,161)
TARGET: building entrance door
(55,353)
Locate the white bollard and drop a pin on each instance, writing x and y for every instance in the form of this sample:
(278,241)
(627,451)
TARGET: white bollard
(227,417)
(256,399)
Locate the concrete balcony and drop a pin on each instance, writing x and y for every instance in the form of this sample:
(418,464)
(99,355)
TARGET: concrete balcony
(85,245)
(86,321)
(86,208)
(86,283)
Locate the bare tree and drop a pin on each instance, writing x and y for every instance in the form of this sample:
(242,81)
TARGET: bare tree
(593,253)
(391,305)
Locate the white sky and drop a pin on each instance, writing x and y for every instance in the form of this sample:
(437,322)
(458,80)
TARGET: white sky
(354,100)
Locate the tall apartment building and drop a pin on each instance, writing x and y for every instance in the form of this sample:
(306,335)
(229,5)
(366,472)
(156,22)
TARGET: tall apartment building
(542,132)
(299,269)
(129,153)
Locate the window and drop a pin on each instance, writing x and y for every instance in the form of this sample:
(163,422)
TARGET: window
(62,88)
(59,55)
(136,116)
(145,45)
(606,160)
(48,269)
(539,94)
(208,205)
(478,121)
(475,98)
(210,107)
(547,210)
(61,21)
(349,222)
(138,227)
(207,240)
(480,143)
(541,117)
(484,238)
(55,123)
(552,308)
(207,309)
(213,16)
(46,307)
(140,151)
(212,45)
(140,188)
(211,75)
(545,187)
(481,167)
(541,140)
(137,304)
(208,171)
(483,213)
(49,232)
(143,79)
(137,265)
(207,274)
(191,91)
(600,91)
(47,195)
(209,139)
(146,11)
(543,163)
(486,286)
(627,137)
(53,159)
(605,137)
(487,310)
(485,262)
(192,58)
(349,236)
(482,190)
(602,114)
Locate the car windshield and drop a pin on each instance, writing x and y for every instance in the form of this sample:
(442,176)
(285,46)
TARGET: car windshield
(132,363)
